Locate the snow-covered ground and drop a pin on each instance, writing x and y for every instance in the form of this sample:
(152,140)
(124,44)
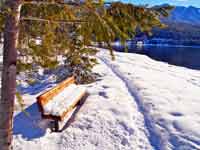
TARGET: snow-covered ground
(136,104)
(108,120)
(168,96)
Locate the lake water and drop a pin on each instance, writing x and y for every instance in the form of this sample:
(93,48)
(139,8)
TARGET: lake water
(176,55)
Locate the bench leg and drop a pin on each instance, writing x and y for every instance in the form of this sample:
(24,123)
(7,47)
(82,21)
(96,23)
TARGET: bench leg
(54,126)
(59,125)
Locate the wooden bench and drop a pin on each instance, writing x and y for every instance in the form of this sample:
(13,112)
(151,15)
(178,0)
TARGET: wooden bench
(57,103)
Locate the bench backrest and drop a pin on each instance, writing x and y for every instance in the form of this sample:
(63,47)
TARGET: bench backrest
(47,96)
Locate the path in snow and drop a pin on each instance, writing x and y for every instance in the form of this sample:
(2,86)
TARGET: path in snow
(155,137)
(108,120)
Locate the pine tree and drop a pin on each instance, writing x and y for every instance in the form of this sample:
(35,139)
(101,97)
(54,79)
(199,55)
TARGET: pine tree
(66,29)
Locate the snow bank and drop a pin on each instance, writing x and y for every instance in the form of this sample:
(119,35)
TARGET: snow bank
(170,94)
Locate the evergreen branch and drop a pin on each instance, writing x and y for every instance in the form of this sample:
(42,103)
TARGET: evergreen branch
(58,2)
(51,21)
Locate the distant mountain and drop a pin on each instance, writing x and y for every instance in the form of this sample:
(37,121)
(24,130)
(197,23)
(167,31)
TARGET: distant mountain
(189,15)
(183,27)
(178,34)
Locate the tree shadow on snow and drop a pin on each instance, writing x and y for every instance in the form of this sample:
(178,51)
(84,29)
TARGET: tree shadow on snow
(29,124)
(35,89)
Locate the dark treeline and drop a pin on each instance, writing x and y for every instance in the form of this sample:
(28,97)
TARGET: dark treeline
(178,34)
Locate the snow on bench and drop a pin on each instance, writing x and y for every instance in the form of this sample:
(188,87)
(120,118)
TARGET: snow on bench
(58,103)
(69,96)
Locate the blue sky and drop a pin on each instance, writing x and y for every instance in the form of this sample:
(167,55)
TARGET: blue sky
(195,3)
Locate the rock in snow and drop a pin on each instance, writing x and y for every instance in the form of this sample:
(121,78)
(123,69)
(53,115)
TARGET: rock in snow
(136,104)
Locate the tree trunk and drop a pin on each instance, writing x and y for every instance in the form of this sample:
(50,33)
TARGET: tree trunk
(9,74)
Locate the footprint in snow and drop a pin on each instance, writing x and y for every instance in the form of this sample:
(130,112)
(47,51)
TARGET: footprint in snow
(105,87)
(176,114)
(103,94)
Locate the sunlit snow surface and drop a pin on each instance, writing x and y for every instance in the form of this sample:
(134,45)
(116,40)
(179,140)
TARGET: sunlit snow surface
(136,104)
(108,120)
(170,94)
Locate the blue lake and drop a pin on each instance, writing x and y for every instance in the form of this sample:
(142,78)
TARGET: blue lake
(176,55)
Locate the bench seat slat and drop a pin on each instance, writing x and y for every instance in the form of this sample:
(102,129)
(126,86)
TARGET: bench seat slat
(48,95)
